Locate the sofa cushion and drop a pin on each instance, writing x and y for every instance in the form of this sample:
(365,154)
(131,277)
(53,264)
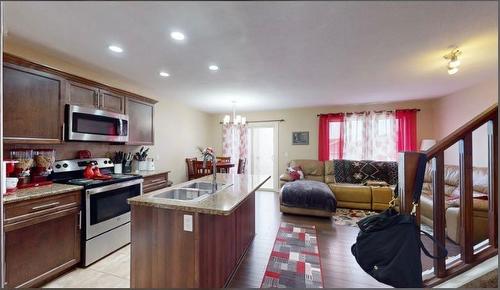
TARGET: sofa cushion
(311,168)
(351,192)
(329,172)
(356,172)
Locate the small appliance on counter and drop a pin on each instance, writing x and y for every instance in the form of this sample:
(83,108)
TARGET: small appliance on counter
(83,154)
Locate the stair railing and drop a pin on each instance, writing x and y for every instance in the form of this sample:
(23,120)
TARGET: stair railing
(469,255)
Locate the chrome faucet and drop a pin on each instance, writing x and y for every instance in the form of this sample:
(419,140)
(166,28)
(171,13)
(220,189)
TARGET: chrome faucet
(208,153)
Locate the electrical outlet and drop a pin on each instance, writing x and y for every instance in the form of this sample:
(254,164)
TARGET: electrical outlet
(188,223)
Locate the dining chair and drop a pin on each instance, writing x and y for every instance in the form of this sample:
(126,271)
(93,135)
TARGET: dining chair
(201,171)
(242,162)
(190,167)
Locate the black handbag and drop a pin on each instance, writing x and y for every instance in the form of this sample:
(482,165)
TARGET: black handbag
(388,244)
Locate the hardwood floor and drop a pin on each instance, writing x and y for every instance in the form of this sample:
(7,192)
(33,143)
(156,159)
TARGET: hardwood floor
(339,267)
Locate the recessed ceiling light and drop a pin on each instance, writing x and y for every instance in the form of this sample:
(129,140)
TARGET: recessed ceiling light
(115,48)
(177,35)
(164,74)
(213,67)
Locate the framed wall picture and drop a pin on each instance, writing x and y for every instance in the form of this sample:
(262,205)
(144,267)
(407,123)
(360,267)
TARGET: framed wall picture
(300,138)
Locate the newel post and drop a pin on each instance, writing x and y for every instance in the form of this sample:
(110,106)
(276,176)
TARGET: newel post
(407,170)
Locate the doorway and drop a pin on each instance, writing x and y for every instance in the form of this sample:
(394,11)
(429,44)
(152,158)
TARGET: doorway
(263,152)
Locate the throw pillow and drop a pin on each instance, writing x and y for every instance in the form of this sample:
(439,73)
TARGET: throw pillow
(295,172)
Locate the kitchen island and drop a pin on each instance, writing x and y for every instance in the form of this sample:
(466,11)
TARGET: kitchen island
(193,243)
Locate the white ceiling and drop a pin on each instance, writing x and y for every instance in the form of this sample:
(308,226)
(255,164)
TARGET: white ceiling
(272,54)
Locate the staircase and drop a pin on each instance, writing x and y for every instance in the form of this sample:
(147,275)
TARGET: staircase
(470,254)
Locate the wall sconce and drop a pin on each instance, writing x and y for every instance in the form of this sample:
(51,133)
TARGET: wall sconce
(454,62)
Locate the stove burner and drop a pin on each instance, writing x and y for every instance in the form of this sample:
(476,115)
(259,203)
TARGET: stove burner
(83,181)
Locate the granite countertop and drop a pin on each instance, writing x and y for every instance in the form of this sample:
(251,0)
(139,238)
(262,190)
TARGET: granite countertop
(223,202)
(146,173)
(39,191)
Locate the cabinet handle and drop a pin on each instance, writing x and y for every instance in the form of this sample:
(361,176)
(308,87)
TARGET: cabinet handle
(96,96)
(62,129)
(80,220)
(45,205)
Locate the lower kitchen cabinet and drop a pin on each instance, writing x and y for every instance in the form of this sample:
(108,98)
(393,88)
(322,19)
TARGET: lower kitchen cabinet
(42,239)
(155,181)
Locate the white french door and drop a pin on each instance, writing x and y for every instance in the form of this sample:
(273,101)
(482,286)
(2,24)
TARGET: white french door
(263,152)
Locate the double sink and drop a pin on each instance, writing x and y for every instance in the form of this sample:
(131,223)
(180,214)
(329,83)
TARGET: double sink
(195,191)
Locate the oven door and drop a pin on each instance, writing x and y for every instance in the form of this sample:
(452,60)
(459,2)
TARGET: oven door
(87,124)
(106,207)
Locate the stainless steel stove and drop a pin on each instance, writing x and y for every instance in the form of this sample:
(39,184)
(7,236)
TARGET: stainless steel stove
(105,211)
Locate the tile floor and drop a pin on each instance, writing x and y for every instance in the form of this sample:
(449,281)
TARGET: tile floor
(110,272)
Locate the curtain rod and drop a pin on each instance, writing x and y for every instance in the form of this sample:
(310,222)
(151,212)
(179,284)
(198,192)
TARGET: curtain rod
(262,121)
(383,111)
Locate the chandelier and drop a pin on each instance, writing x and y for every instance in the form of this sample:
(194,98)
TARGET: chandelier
(236,119)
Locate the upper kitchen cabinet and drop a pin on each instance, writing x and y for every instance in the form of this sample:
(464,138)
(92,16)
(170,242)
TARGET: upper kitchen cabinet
(32,105)
(140,114)
(93,97)
(82,95)
(109,101)
(35,96)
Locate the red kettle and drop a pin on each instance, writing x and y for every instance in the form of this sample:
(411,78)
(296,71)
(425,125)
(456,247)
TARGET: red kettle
(89,171)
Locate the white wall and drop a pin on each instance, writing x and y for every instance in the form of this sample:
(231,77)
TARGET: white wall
(179,129)
(454,110)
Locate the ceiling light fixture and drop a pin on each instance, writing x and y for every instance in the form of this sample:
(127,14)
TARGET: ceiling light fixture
(237,119)
(213,67)
(164,74)
(115,48)
(454,62)
(177,35)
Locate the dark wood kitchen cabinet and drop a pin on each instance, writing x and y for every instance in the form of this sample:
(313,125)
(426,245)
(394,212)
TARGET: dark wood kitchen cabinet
(42,239)
(82,95)
(140,114)
(111,102)
(32,105)
(35,97)
(93,97)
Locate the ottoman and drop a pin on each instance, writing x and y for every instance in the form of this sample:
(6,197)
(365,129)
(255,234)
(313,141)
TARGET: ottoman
(307,197)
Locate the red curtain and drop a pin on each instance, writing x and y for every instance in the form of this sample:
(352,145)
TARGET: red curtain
(327,143)
(406,130)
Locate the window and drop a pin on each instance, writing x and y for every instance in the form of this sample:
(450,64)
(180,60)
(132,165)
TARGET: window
(370,136)
(367,135)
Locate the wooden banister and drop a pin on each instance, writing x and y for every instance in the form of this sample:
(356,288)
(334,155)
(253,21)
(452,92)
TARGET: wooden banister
(435,155)
(489,114)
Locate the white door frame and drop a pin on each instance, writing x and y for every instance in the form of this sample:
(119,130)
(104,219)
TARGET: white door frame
(275,127)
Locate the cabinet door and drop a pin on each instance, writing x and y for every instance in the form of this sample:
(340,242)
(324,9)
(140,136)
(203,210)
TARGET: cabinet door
(111,102)
(38,249)
(32,105)
(140,114)
(82,95)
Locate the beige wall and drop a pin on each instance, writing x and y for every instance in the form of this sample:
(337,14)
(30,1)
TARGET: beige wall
(179,129)
(454,110)
(305,119)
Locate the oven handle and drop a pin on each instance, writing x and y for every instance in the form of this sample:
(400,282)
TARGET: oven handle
(114,186)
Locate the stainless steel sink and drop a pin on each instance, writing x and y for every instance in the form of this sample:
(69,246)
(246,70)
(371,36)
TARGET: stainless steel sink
(195,191)
(204,186)
(183,194)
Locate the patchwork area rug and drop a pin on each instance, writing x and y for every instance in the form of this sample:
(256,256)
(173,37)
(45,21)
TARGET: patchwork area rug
(349,217)
(295,261)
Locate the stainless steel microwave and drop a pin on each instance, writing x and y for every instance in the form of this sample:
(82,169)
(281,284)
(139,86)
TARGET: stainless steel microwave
(88,124)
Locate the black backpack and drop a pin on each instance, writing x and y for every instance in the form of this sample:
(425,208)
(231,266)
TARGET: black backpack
(388,244)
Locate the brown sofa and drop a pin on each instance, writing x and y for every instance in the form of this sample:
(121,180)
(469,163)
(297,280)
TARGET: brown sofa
(348,195)
(452,202)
